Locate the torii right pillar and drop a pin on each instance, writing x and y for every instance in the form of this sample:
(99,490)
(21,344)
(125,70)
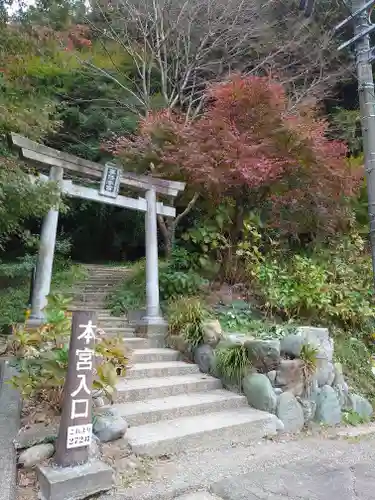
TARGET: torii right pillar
(152,325)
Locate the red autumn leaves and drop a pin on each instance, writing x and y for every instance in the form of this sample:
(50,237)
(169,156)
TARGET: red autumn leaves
(247,139)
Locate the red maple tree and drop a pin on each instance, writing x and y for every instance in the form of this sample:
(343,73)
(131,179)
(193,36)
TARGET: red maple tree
(248,145)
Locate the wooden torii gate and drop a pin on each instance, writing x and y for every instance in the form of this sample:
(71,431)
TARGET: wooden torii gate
(111,179)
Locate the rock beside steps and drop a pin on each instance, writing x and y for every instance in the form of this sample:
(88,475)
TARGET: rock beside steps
(169,405)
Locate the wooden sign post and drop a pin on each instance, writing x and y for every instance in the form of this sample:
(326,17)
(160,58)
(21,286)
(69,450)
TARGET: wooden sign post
(72,447)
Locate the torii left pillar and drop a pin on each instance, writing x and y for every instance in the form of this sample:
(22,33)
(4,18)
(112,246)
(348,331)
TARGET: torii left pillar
(43,277)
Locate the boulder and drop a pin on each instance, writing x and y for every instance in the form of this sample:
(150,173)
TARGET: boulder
(264,355)
(272,376)
(277,391)
(312,390)
(328,409)
(259,392)
(98,402)
(341,387)
(318,337)
(291,345)
(109,426)
(325,372)
(361,406)
(36,454)
(290,377)
(290,412)
(94,449)
(178,343)
(212,332)
(308,407)
(37,434)
(338,375)
(230,339)
(204,357)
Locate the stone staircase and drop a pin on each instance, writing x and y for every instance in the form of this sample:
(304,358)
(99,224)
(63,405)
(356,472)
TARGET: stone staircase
(169,405)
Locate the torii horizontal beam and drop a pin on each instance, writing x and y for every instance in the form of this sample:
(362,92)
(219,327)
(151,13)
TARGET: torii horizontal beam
(75,191)
(36,152)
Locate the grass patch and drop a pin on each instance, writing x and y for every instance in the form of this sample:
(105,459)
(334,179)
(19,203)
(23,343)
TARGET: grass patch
(232,363)
(185,318)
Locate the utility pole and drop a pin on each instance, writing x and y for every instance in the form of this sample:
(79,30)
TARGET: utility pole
(360,16)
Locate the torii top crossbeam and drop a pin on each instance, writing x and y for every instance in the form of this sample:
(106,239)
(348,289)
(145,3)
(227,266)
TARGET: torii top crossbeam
(36,152)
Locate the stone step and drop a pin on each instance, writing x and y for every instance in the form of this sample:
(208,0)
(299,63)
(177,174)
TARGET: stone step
(92,294)
(136,343)
(88,305)
(153,355)
(196,403)
(113,321)
(85,307)
(105,274)
(161,369)
(116,329)
(74,307)
(208,431)
(102,281)
(158,387)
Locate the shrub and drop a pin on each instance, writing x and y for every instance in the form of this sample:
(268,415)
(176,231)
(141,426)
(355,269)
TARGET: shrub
(41,357)
(131,294)
(355,358)
(332,285)
(185,318)
(232,363)
(173,282)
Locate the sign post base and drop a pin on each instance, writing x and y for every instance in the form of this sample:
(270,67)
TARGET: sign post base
(75,483)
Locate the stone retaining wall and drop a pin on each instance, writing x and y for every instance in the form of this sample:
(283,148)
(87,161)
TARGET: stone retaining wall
(281,380)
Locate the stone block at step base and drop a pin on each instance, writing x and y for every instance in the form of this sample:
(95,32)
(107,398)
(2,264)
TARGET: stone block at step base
(154,329)
(74,483)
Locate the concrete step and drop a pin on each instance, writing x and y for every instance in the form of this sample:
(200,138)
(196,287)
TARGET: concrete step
(136,343)
(211,430)
(153,355)
(161,369)
(126,333)
(82,308)
(158,387)
(88,305)
(196,403)
(117,329)
(113,321)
